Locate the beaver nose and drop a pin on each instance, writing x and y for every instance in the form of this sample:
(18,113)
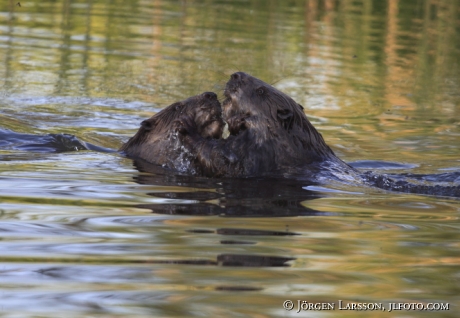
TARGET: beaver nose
(237,76)
(210,95)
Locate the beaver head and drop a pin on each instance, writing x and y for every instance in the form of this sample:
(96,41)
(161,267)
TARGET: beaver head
(269,136)
(156,141)
(270,116)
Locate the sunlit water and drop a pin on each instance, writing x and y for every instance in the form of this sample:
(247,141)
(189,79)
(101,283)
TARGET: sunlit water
(86,233)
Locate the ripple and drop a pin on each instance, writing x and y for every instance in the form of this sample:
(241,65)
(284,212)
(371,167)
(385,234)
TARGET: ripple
(98,274)
(80,101)
(79,301)
(22,229)
(250,232)
(86,248)
(381,165)
(122,221)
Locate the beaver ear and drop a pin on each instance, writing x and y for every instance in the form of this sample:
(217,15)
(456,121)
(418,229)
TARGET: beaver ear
(301,107)
(147,125)
(286,117)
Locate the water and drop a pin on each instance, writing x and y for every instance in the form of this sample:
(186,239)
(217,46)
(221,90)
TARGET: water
(86,233)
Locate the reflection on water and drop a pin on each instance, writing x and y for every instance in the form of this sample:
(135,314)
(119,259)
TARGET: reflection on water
(230,197)
(86,233)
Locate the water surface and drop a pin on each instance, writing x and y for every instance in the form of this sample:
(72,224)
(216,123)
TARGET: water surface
(88,233)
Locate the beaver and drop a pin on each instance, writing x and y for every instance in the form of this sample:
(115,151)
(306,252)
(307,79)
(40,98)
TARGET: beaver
(156,140)
(269,135)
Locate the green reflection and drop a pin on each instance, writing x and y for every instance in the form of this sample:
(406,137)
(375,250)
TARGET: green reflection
(380,79)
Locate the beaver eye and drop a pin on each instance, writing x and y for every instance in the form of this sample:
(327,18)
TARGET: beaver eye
(260,91)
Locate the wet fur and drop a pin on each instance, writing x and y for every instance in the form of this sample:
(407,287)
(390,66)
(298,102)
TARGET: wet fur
(269,135)
(156,140)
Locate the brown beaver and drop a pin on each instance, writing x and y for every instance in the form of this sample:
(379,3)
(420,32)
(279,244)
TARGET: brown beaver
(269,135)
(156,140)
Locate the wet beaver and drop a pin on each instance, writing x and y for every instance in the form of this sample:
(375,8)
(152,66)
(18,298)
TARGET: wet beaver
(269,135)
(156,140)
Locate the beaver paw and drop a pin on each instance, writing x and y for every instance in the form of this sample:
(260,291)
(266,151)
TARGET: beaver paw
(185,126)
(237,124)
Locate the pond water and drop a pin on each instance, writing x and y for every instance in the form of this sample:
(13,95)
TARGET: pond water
(88,234)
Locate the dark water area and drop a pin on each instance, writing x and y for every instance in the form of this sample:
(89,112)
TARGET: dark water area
(87,232)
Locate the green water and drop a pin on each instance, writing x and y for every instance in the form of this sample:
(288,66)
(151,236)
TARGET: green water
(379,79)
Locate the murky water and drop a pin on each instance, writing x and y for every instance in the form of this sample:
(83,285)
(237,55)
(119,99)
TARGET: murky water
(86,233)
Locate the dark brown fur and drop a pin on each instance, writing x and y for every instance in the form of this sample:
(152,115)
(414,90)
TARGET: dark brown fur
(269,135)
(156,140)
